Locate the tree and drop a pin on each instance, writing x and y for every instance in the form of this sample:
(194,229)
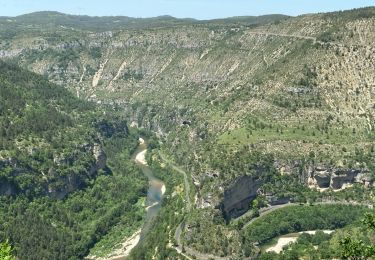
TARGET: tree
(357,249)
(6,251)
(255,206)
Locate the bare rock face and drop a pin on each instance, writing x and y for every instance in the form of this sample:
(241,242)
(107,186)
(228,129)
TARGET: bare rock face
(100,158)
(238,196)
(340,177)
(336,178)
(326,176)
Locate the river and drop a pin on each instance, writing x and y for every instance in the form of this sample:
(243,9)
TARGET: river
(156,186)
(155,194)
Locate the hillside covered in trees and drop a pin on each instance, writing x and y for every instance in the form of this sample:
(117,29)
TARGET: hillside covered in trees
(66,178)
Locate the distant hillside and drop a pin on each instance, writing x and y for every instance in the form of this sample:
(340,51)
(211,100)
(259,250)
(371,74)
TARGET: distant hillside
(47,20)
(248,20)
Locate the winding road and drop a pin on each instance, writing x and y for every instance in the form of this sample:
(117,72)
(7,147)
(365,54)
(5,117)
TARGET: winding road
(186,181)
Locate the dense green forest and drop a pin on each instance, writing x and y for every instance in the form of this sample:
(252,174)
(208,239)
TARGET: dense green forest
(299,218)
(65,170)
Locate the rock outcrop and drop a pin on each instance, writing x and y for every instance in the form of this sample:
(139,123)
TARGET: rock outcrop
(48,183)
(323,177)
(238,196)
(73,182)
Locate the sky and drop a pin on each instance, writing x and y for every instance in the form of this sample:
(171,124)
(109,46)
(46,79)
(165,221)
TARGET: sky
(199,9)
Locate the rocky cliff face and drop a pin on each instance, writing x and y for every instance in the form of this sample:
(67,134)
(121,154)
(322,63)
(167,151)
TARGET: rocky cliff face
(323,177)
(238,196)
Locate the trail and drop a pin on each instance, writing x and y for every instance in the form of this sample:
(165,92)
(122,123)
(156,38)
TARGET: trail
(286,35)
(304,37)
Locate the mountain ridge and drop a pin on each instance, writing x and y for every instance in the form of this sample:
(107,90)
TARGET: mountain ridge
(102,23)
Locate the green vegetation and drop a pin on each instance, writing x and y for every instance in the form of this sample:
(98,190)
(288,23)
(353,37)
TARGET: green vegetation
(306,246)
(41,127)
(172,213)
(299,218)
(67,179)
(6,251)
(350,242)
(354,248)
(288,100)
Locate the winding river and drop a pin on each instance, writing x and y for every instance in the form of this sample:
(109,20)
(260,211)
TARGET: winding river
(153,203)
(156,187)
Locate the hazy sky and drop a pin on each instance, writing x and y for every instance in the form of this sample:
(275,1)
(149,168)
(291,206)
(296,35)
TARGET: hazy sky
(200,9)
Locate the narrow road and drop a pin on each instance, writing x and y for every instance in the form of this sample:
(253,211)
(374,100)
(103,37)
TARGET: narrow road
(303,37)
(186,181)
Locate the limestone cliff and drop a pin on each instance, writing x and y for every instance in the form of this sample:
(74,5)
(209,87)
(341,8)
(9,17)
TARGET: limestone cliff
(337,178)
(238,196)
